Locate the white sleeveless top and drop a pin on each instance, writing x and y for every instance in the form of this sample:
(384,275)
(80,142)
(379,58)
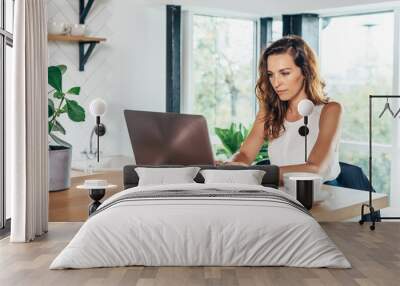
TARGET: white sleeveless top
(288,149)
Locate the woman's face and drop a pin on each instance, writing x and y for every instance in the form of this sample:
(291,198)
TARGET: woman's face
(285,77)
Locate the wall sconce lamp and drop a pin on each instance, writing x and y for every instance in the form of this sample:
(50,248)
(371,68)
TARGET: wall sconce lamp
(305,108)
(98,108)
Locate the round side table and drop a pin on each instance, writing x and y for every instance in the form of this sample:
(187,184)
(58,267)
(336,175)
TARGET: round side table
(96,193)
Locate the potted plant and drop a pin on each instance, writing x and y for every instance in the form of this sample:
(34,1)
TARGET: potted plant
(60,151)
(233,137)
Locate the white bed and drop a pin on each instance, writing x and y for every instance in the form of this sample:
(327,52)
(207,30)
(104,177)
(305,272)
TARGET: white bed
(183,230)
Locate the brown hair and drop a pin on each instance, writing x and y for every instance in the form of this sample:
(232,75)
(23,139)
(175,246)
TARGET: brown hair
(275,109)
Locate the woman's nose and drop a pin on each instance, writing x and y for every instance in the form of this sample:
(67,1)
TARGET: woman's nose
(276,82)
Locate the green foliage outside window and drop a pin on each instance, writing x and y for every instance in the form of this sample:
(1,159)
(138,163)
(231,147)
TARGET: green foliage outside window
(352,77)
(233,137)
(223,70)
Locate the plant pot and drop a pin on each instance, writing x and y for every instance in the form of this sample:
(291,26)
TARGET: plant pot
(59,168)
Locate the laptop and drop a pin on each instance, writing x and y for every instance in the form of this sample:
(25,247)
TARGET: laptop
(163,138)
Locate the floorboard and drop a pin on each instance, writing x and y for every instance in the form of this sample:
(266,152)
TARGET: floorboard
(374,255)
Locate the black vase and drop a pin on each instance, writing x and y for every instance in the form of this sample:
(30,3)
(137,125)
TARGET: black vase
(305,192)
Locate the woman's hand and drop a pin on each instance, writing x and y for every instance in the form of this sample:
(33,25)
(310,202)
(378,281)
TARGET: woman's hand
(232,163)
(237,164)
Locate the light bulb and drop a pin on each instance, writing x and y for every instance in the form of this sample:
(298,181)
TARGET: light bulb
(97,107)
(305,107)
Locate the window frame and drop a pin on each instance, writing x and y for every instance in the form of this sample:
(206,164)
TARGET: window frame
(395,164)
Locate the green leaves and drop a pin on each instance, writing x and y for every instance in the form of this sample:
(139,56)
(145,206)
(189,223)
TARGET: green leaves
(74,90)
(58,94)
(63,68)
(233,137)
(75,111)
(59,141)
(58,127)
(63,109)
(55,126)
(55,77)
(51,108)
(263,154)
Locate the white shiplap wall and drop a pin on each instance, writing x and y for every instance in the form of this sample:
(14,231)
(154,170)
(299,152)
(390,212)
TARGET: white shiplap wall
(128,70)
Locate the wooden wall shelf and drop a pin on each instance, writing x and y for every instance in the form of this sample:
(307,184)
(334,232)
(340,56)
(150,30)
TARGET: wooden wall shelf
(69,38)
(82,41)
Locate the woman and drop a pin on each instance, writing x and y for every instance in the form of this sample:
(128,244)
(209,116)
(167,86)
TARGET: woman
(288,73)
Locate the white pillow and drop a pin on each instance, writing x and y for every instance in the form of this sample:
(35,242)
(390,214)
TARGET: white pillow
(163,176)
(248,177)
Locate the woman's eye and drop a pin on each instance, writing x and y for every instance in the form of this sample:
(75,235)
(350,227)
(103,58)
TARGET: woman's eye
(285,73)
(269,75)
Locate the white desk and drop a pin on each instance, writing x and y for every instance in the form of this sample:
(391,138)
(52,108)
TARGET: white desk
(344,203)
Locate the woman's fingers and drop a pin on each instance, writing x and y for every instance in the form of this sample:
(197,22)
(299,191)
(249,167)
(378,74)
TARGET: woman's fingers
(236,164)
(221,163)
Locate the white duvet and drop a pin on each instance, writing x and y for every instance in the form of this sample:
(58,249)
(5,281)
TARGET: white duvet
(200,231)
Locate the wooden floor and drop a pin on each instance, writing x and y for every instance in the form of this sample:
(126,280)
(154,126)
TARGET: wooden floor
(374,255)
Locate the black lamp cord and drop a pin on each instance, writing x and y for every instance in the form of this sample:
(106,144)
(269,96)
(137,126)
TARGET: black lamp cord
(303,131)
(305,138)
(98,138)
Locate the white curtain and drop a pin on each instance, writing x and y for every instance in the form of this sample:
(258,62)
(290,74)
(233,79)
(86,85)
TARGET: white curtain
(28,144)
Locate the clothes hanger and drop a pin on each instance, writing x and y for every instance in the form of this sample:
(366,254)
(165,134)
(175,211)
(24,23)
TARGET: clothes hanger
(397,113)
(387,107)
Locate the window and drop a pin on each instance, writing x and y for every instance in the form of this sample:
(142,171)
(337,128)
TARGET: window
(224,71)
(356,61)
(6,42)
(277,29)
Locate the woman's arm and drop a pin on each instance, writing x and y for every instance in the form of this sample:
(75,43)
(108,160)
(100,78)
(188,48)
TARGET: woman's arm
(252,144)
(329,124)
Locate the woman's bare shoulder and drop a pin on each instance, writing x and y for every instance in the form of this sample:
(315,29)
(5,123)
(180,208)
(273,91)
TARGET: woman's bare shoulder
(332,107)
(331,115)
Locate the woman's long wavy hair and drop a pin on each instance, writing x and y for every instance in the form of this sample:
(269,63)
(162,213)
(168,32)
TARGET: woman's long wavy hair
(305,59)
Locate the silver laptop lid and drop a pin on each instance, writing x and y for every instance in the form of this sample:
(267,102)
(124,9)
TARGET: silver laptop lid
(162,138)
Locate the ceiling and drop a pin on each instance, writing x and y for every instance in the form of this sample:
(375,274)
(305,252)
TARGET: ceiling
(264,8)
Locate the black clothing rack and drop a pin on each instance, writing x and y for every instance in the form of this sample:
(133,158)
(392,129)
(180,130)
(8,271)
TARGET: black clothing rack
(369,205)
